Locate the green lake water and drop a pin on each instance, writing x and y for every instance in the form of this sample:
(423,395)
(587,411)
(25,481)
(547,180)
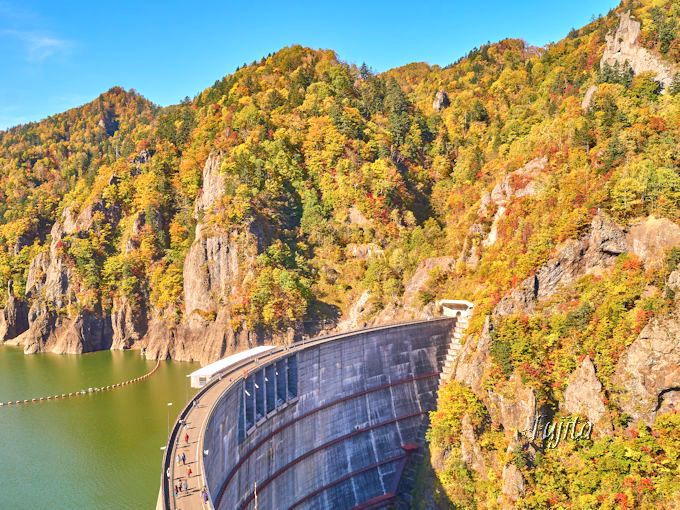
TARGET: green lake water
(99,451)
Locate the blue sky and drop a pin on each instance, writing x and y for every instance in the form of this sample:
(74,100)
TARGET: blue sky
(57,55)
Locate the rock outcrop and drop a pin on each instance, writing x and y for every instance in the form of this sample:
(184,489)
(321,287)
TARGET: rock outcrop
(588,97)
(470,450)
(421,276)
(129,323)
(205,343)
(649,370)
(363,251)
(56,323)
(517,184)
(441,101)
(584,396)
(651,238)
(218,266)
(623,46)
(14,317)
(514,407)
(357,311)
(574,259)
(89,331)
(473,358)
(524,181)
(513,486)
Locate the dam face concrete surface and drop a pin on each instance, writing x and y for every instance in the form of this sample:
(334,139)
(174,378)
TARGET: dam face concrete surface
(331,425)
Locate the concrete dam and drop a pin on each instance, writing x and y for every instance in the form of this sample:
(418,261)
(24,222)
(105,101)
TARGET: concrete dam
(336,422)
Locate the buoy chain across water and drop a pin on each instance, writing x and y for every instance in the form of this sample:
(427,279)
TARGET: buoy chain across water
(83,392)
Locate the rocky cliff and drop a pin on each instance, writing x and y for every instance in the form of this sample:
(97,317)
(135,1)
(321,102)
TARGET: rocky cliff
(623,47)
(57,322)
(14,317)
(644,385)
(217,267)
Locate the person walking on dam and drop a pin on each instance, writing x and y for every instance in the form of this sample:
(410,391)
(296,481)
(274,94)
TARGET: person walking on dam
(184,459)
(186,438)
(189,472)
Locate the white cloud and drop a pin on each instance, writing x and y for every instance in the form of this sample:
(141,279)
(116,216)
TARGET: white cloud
(38,46)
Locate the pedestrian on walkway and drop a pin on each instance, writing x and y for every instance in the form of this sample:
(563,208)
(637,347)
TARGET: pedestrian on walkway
(184,459)
(177,458)
(204,495)
(189,472)
(186,438)
(179,487)
(176,490)
(186,485)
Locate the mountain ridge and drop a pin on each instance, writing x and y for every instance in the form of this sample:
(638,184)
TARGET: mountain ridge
(302,194)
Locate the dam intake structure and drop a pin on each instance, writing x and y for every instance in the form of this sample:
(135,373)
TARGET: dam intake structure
(334,422)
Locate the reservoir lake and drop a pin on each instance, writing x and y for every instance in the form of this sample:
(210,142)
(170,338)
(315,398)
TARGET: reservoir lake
(91,452)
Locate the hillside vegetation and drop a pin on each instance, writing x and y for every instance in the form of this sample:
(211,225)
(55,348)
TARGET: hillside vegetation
(302,193)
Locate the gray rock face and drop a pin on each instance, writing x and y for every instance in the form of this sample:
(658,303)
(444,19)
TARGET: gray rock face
(218,262)
(422,275)
(669,402)
(137,225)
(212,272)
(473,359)
(574,259)
(14,317)
(470,450)
(674,280)
(520,183)
(651,238)
(89,331)
(441,101)
(213,185)
(584,396)
(649,371)
(622,46)
(514,408)
(218,266)
(588,97)
(207,343)
(129,323)
(363,251)
(354,319)
(513,486)
(50,289)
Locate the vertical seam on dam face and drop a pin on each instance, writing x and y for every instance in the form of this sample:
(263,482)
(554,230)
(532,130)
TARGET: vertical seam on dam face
(354,409)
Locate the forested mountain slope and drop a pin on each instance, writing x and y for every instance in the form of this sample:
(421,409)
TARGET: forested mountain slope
(302,193)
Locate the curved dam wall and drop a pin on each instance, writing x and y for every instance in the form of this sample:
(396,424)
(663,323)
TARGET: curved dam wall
(331,425)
